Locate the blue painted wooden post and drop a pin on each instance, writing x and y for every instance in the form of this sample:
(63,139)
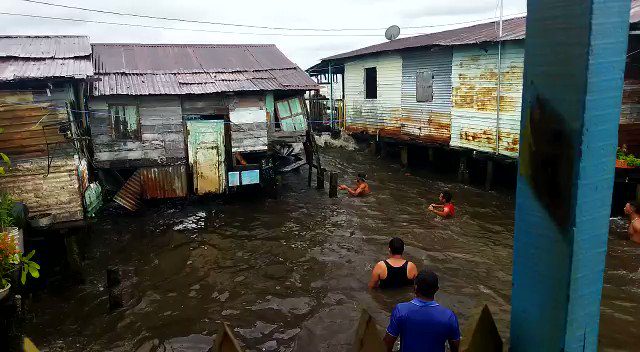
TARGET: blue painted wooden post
(574,65)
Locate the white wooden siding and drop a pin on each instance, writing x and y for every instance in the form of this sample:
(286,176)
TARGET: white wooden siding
(372,115)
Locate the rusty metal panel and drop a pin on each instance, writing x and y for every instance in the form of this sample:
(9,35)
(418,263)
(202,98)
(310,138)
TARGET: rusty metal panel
(429,122)
(474,92)
(57,192)
(164,182)
(375,116)
(206,150)
(129,196)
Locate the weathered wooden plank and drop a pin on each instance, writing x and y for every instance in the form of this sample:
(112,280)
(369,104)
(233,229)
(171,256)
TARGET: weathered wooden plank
(58,193)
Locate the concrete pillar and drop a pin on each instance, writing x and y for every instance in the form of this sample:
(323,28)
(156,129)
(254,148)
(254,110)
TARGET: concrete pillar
(404,156)
(575,57)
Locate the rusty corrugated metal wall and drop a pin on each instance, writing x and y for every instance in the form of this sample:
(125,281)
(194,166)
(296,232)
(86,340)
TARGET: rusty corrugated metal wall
(56,193)
(381,115)
(475,80)
(427,122)
(164,182)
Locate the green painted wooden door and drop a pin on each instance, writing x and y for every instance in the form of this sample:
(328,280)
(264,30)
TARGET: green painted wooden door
(205,146)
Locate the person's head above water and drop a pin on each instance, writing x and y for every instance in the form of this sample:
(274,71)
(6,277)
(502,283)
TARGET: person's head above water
(426,284)
(362,177)
(445,196)
(396,246)
(632,207)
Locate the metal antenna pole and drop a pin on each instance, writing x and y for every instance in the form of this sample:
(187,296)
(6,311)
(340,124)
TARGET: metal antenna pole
(499,88)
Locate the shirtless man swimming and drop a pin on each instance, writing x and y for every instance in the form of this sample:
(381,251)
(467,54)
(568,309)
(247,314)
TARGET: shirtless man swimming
(361,188)
(445,209)
(632,209)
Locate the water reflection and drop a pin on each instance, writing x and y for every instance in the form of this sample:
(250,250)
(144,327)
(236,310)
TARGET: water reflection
(296,268)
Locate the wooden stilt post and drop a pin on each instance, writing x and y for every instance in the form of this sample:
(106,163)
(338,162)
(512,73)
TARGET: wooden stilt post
(404,156)
(373,148)
(333,184)
(73,257)
(489,179)
(431,156)
(463,172)
(320,178)
(382,149)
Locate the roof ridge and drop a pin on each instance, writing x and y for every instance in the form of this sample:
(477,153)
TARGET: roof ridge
(43,36)
(367,49)
(185,45)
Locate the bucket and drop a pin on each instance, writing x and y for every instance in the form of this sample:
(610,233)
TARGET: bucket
(17,236)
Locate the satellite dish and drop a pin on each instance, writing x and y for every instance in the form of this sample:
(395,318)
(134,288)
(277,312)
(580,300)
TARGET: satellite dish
(392,32)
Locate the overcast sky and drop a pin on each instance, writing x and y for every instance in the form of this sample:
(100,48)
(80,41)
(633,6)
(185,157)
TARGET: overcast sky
(305,51)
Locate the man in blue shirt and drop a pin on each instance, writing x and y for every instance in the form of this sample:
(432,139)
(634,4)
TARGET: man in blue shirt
(422,324)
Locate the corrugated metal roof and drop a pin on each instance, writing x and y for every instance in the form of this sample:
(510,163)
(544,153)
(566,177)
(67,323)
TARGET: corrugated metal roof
(145,69)
(201,83)
(44,47)
(33,57)
(187,58)
(16,68)
(513,28)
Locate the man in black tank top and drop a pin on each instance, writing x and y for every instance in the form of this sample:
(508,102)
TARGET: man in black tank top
(395,271)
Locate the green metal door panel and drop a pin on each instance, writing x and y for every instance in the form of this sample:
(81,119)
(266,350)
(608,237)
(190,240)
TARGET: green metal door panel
(294,104)
(300,123)
(283,109)
(206,151)
(207,177)
(287,125)
(270,104)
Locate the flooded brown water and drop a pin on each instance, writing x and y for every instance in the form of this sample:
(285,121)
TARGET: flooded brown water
(290,274)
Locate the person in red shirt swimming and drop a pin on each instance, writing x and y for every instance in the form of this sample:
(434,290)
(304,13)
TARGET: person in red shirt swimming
(446,208)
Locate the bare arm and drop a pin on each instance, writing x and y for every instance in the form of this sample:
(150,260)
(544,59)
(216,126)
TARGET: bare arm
(389,341)
(412,271)
(357,191)
(375,276)
(454,345)
(441,213)
(634,228)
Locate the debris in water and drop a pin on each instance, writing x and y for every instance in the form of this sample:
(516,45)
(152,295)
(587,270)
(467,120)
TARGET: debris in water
(193,222)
